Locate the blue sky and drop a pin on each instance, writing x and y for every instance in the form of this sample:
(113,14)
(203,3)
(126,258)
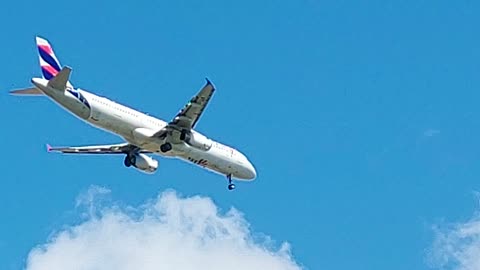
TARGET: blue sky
(361,117)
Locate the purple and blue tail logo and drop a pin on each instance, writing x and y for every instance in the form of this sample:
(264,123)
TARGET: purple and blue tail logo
(48,61)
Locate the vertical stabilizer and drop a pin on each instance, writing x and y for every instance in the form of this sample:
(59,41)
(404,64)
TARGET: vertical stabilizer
(48,61)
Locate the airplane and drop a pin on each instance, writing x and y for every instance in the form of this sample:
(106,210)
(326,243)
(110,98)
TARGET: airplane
(144,135)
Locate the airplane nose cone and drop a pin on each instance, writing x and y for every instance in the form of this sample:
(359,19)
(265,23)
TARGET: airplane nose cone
(252,173)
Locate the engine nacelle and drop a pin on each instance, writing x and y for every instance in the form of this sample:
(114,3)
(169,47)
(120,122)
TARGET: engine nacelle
(197,140)
(145,163)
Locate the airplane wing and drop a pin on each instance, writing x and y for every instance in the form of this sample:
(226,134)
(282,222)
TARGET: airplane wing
(122,148)
(189,115)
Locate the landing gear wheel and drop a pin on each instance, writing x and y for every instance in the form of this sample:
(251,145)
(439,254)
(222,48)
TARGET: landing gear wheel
(183,135)
(127,162)
(165,147)
(133,159)
(231,186)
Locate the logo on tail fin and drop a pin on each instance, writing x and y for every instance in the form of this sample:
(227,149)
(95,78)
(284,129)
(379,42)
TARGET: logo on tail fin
(48,61)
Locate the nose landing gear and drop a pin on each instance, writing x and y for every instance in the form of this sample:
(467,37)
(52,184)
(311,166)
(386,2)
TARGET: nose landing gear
(231,186)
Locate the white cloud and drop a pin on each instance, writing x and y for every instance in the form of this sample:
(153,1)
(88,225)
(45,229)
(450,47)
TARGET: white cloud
(457,246)
(169,232)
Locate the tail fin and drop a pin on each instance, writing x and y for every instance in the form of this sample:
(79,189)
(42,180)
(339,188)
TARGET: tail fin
(48,61)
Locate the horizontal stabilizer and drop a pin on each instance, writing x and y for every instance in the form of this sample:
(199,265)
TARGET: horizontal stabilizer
(27,92)
(61,79)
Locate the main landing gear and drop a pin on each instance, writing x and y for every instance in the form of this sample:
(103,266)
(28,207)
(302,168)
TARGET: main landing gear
(129,160)
(165,147)
(231,186)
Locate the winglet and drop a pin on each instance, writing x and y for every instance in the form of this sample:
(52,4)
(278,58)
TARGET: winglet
(210,83)
(49,148)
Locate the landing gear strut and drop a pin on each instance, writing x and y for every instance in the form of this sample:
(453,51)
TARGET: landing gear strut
(165,147)
(231,186)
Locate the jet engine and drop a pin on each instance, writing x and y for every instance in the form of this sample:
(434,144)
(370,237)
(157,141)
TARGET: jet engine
(196,140)
(142,162)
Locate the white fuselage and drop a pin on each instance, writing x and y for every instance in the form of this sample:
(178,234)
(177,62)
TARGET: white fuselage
(138,129)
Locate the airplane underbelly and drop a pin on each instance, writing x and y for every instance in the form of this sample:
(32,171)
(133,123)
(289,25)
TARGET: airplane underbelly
(109,122)
(208,160)
(72,104)
(112,122)
(80,110)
